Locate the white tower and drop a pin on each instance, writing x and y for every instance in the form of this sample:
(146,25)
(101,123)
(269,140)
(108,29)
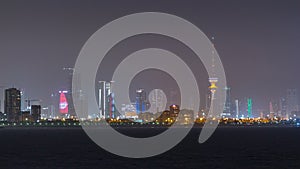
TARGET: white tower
(213,80)
(237,108)
(104,91)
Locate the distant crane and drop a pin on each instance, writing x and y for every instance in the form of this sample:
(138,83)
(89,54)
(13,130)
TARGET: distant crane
(70,69)
(70,72)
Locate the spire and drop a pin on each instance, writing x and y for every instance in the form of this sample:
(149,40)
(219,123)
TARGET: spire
(213,59)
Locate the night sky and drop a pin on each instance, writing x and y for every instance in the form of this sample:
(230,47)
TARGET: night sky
(258,41)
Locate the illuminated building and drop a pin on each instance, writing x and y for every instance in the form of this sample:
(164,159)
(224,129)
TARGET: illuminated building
(141,101)
(12,104)
(45,112)
(292,101)
(29,102)
(249,108)
(227,106)
(186,117)
(63,103)
(272,114)
(68,87)
(164,117)
(237,111)
(282,107)
(129,111)
(106,100)
(23,101)
(111,105)
(169,116)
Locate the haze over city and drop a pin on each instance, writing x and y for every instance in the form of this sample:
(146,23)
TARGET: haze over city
(257,42)
(140,108)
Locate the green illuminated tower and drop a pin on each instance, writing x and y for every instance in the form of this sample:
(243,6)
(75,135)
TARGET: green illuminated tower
(249,107)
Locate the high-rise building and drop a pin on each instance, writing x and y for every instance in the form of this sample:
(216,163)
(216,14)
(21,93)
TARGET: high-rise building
(106,100)
(271,109)
(237,111)
(24,102)
(227,107)
(249,108)
(36,112)
(12,104)
(2,99)
(292,101)
(245,107)
(63,103)
(70,72)
(141,101)
(282,107)
(111,105)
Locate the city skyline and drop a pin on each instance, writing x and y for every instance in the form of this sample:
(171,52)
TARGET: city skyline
(257,43)
(287,107)
(149,84)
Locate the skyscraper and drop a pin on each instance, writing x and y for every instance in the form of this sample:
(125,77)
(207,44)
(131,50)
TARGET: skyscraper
(141,101)
(106,100)
(227,107)
(36,112)
(111,105)
(63,103)
(237,111)
(271,109)
(12,104)
(292,101)
(249,108)
(282,107)
(70,72)
(2,99)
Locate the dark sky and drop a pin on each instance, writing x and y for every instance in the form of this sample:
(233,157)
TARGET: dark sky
(258,41)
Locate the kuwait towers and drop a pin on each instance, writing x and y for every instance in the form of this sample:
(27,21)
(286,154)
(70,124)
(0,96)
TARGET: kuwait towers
(213,80)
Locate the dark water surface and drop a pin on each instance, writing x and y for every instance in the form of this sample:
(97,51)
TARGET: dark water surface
(252,147)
